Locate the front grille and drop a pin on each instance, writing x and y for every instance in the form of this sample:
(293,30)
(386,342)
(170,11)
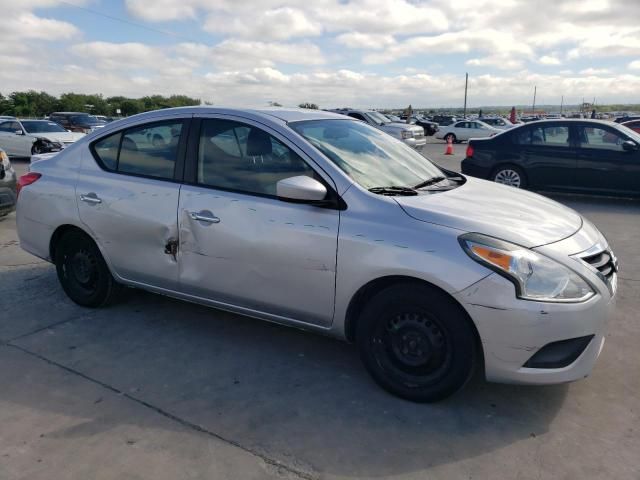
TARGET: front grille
(605,262)
(418,134)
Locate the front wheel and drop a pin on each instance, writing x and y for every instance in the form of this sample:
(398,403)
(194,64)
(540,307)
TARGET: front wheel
(509,175)
(82,271)
(416,342)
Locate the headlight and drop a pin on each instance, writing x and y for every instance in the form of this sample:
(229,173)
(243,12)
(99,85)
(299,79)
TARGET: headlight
(535,276)
(4,160)
(407,134)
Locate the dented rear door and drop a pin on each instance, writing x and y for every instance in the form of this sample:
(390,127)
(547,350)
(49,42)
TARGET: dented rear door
(127,194)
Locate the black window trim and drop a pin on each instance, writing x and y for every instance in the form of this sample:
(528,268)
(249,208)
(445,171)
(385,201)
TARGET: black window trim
(179,167)
(334,201)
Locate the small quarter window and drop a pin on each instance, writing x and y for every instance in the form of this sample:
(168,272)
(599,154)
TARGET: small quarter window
(107,150)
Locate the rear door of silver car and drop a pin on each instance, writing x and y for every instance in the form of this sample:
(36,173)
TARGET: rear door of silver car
(127,193)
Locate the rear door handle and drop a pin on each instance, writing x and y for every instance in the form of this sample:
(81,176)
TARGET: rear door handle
(90,198)
(204,217)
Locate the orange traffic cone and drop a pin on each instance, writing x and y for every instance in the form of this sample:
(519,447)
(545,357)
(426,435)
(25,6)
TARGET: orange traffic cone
(449,150)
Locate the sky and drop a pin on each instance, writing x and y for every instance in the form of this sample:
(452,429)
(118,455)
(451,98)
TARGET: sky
(356,53)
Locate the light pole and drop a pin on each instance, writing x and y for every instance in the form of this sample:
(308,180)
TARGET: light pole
(466,84)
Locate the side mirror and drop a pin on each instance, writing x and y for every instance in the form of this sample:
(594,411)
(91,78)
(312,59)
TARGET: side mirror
(629,146)
(301,188)
(19,132)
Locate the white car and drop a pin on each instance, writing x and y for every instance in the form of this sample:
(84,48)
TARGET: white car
(466,129)
(23,138)
(499,123)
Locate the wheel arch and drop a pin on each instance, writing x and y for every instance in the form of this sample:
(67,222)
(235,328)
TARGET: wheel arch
(61,230)
(370,289)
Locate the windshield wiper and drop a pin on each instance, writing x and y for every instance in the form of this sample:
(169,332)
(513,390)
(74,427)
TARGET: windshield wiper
(430,181)
(393,190)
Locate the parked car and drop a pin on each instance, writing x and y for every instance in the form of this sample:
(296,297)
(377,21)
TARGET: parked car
(498,122)
(106,119)
(317,221)
(393,118)
(588,156)
(23,138)
(7,185)
(627,118)
(444,120)
(633,125)
(430,128)
(412,135)
(466,129)
(7,117)
(76,121)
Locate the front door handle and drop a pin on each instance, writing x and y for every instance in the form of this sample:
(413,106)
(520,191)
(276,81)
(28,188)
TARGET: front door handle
(90,198)
(204,217)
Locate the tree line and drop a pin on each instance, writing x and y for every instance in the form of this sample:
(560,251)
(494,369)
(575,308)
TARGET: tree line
(39,104)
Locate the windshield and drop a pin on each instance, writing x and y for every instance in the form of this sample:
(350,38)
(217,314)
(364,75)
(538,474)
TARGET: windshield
(85,120)
(628,132)
(377,118)
(32,126)
(370,157)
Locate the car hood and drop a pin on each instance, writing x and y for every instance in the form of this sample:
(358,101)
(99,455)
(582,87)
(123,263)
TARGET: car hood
(504,212)
(62,137)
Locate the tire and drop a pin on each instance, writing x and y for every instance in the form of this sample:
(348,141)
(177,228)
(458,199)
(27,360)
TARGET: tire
(509,175)
(416,342)
(450,136)
(82,271)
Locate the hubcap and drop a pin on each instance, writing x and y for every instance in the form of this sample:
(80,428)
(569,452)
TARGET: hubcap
(83,268)
(413,346)
(508,177)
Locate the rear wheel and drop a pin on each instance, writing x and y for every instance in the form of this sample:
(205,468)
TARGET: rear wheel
(509,175)
(450,137)
(82,271)
(416,342)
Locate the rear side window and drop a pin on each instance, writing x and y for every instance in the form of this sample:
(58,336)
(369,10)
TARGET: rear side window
(550,136)
(147,150)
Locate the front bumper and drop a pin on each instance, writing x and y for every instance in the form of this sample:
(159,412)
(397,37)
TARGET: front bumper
(513,330)
(416,143)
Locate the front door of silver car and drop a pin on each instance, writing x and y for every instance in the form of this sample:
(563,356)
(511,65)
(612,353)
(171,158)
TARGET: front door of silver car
(240,244)
(128,197)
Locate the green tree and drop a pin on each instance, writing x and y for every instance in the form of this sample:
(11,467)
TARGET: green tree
(311,106)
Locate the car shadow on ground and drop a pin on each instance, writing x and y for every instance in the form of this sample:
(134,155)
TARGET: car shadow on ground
(299,398)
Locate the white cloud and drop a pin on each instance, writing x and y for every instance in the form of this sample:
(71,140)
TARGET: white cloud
(635,65)
(365,40)
(549,60)
(595,71)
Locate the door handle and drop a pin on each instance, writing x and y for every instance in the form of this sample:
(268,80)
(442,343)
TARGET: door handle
(204,218)
(90,198)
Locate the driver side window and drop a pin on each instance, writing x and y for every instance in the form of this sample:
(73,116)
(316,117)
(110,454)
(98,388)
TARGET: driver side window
(238,157)
(600,139)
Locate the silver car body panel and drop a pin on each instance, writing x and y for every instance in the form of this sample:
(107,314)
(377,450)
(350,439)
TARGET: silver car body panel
(302,265)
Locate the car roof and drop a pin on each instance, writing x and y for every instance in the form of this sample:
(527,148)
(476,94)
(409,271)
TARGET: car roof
(70,113)
(285,115)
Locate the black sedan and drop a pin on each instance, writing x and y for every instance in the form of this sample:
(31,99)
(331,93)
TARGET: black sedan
(586,156)
(430,128)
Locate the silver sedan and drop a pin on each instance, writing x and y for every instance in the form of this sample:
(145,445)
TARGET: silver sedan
(314,220)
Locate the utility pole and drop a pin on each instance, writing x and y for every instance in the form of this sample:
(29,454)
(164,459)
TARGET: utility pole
(533,108)
(466,84)
(561,104)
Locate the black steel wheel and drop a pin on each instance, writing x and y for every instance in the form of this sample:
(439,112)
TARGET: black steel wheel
(82,271)
(416,342)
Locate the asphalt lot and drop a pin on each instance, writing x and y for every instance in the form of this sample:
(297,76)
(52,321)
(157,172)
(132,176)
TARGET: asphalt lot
(154,388)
